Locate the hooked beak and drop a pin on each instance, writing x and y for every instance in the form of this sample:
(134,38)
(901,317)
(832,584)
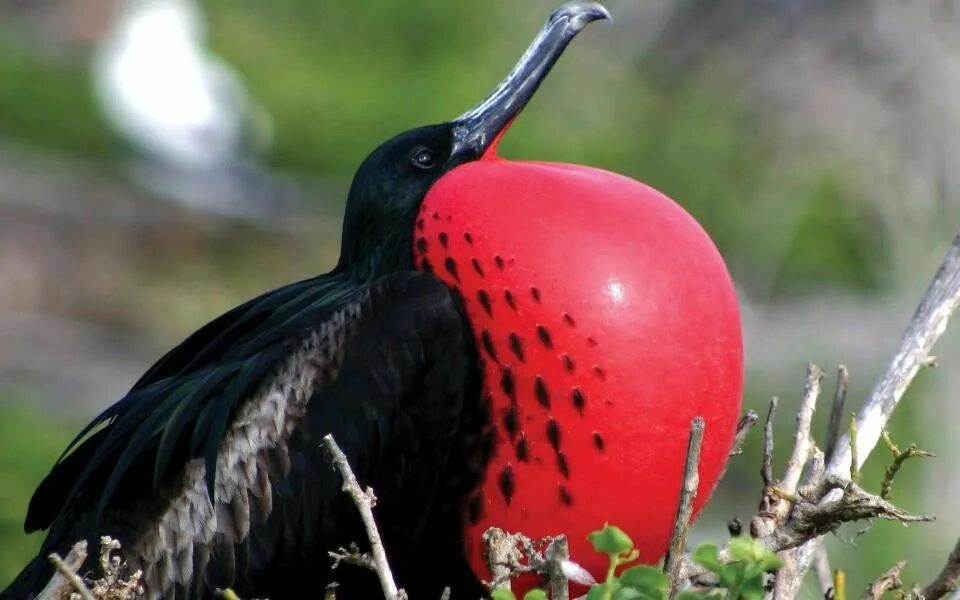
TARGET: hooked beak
(476,131)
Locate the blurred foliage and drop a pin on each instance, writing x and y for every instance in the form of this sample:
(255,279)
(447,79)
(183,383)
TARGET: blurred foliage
(338,79)
(30,442)
(49,103)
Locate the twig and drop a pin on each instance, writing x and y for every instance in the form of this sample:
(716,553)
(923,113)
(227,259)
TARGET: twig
(352,556)
(886,582)
(66,575)
(817,516)
(503,557)
(854,459)
(688,492)
(364,501)
(898,459)
(70,574)
(930,320)
(767,468)
(556,553)
(836,411)
(803,441)
(948,580)
(744,426)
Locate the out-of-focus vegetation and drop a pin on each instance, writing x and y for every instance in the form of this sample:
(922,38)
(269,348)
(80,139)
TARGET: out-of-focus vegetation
(339,78)
(29,444)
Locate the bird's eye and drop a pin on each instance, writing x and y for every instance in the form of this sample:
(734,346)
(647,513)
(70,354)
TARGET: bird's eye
(422,158)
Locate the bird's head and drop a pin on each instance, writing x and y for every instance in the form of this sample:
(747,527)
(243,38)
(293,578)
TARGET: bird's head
(393,180)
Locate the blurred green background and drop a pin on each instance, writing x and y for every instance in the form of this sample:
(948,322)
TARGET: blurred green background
(807,139)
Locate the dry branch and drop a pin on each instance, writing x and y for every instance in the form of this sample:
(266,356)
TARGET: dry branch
(66,578)
(930,320)
(836,411)
(365,500)
(512,554)
(688,492)
(767,469)
(948,581)
(885,583)
(744,426)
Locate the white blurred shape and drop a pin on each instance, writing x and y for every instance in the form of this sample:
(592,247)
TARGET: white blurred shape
(164,93)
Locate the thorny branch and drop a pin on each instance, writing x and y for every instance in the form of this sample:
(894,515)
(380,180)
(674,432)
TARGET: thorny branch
(365,501)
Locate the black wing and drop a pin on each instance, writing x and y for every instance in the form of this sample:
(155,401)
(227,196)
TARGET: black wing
(236,414)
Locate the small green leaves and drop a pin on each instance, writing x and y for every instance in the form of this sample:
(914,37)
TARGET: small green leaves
(646,579)
(708,556)
(749,550)
(740,572)
(743,575)
(534,594)
(611,540)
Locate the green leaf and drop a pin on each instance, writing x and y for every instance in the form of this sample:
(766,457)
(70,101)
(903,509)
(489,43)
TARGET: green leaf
(602,591)
(610,540)
(693,596)
(625,593)
(708,557)
(646,579)
(502,594)
(746,549)
(535,594)
(752,589)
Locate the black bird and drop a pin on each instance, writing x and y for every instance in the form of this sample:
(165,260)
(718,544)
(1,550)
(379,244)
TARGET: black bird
(210,471)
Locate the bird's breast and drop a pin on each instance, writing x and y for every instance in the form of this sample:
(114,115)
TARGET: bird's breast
(606,321)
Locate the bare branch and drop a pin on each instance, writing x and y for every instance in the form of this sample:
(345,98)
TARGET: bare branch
(948,581)
(929,322)
(555,555)
(836,411)
(66,574)
(688,492)
(899,457)
(364,501)
(68,571)
(744,426)
(767,468)
(803,441)
(820,515)
(886,582)
(503,557)
(854,460)
(352,556)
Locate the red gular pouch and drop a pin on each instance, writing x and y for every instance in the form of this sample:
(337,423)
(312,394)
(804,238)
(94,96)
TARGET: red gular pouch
(606,320)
